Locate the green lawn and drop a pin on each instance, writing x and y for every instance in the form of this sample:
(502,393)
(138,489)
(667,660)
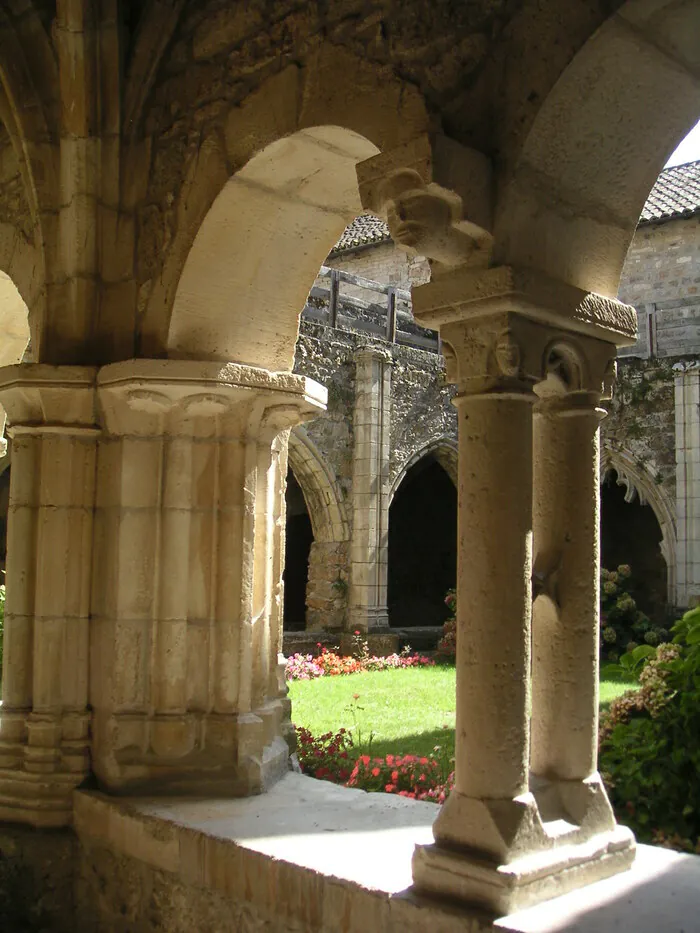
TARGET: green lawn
(401,712)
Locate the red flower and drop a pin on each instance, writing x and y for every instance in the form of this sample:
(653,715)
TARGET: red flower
(375,772)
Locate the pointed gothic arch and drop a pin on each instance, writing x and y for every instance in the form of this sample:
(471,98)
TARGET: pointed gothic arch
(640,484)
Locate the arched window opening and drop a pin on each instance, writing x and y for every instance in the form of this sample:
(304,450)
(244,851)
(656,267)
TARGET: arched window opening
(422,545)
(631,534)
(299,537)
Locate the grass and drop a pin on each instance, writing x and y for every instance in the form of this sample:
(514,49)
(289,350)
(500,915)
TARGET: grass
(396,712)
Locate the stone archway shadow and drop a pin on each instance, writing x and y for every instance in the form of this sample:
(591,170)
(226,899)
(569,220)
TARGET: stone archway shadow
(640,482)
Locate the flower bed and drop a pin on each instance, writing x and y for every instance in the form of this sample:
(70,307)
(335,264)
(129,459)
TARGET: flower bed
(329,757)
(330,664)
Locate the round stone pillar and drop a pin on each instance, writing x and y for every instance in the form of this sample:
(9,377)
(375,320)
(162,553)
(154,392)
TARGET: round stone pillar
(528,817)
(493,601)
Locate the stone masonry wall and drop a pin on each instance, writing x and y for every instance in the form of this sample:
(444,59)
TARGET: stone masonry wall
(384,263)
(420,414)
(641,418)
(663,263)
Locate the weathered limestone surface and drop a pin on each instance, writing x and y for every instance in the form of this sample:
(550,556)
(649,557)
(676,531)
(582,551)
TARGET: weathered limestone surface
(416,419)
(186,169)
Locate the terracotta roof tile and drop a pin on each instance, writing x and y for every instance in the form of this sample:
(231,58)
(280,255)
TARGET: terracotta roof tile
(675,194)
(364,230)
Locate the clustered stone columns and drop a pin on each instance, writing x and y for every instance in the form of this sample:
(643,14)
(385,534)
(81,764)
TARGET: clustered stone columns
(369,544)
(44,727)
(528,818)
(532,357)
(166,617)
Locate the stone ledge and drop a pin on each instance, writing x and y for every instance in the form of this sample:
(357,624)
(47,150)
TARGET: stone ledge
(325,858)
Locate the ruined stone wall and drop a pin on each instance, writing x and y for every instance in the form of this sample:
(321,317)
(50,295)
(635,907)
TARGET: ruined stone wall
(420,415)
(641,419)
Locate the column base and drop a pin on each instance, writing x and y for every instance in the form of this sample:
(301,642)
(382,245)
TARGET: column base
(526,880)
(43,759)
(44,801)
(192,753)
(369,619)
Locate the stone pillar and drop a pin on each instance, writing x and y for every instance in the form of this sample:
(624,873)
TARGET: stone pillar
(369,543)
(187,683)
(566,618)
(528,817)
(687,405)
(44,721)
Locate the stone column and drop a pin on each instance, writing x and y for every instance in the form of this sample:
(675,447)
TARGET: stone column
(187,689)
(566,621)
(369,543)
(44,721)
(687,406)
(528,817)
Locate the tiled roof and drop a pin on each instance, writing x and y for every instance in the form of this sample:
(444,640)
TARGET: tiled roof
(364,230)
(675,194)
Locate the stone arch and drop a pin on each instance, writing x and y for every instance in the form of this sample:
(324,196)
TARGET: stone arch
(326,509)
(443,449)
(570,205)
(270,188)
(422,536)
(261,245)
(640,483)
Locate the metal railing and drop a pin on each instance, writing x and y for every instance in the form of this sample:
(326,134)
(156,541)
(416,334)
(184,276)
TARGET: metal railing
(352,302)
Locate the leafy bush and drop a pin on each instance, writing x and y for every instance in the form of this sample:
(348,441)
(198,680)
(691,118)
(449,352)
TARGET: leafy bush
(406,775)
(327,757)
(623,625)
(650,743)
(333,757)
(447,646)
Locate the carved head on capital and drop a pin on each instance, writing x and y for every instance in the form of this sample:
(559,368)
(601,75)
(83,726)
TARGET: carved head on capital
(507,356)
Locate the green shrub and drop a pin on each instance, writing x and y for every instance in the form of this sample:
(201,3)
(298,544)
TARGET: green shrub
(621,622)
(650,741)
(447,646)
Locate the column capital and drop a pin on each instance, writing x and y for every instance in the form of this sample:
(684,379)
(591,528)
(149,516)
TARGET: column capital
(468,294)
(193,398)
(48,399)
(369,350)
(505,329)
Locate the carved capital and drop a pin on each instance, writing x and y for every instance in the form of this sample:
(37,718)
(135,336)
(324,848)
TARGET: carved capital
(509,352)
(46,398)
(470,294)
(202,399)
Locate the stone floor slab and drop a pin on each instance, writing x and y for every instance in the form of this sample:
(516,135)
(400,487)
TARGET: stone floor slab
(365,842)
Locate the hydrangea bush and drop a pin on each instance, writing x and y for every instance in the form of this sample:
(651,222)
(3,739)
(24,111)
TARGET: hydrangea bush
(650,744)
(623,626)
